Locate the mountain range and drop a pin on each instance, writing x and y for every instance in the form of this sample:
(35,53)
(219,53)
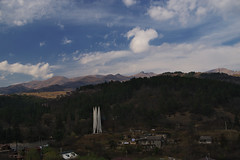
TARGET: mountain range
(60,83)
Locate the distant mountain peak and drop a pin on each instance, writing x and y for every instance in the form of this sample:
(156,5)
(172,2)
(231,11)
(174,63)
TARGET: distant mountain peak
(143,74)
(225,71)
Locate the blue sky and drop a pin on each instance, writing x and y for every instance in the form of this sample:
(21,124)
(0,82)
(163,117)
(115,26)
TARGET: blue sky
(40,39)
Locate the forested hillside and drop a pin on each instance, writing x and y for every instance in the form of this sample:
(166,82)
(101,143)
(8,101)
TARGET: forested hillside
(138,103)
(19,116)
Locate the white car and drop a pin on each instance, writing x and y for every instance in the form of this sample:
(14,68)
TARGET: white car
(69,155)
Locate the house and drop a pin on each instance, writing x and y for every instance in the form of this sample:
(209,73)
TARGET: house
(205,140)
(124,143)
(151,142)
(69,155)
(15,155)
(4,148)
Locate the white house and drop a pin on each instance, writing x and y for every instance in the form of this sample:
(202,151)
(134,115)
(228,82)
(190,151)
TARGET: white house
(151,142)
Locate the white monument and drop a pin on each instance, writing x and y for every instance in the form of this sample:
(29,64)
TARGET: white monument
(97,126)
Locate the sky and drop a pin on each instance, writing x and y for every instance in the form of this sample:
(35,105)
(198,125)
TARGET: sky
(40,39)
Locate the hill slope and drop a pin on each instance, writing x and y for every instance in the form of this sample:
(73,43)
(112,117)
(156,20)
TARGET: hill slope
(57,80)
(182,106)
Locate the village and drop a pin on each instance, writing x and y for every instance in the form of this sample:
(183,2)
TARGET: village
(168,144)
(126,145)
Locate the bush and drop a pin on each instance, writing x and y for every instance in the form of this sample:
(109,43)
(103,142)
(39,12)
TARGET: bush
(52,155)
(32,154)
(91,157)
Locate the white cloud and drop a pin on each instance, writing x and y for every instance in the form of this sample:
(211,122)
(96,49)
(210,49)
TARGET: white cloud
(184,12)
(21,2)
(201,11)
(160,14)
(225,8)
(64,57)
(40,70)
(104,44)
(98,63)
(2,77)
(42,44)
(20,12)
(19,22)
(220,34)
(178,9)
(61,26)
(141,38)
(101,58)
(66,41)
(129,3)
(75,52)
(191,12)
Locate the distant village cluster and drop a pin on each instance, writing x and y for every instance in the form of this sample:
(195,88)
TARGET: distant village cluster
(146,141)
(149,141)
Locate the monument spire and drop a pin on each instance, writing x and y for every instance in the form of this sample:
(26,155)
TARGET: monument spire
(97,126)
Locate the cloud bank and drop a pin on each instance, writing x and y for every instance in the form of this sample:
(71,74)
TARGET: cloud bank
(192,12)
(21,12)
(185,13)
(141,56)
(185,57)
(166,57)
(40,70)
